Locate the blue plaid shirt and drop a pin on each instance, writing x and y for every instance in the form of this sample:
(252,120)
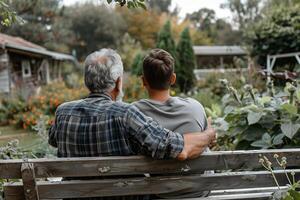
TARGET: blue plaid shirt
(98,126)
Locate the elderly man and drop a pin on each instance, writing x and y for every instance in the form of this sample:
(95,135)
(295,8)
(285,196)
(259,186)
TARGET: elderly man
(100,125)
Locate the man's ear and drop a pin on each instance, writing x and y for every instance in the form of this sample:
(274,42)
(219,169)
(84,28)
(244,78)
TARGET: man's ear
(118,87)
(173,79)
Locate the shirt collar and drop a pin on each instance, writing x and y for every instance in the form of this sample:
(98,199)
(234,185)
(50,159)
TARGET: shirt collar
(100,95)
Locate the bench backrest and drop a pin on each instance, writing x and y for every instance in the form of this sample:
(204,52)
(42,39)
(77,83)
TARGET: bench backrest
(165,175)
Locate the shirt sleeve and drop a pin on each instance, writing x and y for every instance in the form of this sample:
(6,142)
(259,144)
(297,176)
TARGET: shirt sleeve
(151,137)
(52,140)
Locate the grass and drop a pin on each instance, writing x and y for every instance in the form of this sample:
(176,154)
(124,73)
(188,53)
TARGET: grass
(8,133)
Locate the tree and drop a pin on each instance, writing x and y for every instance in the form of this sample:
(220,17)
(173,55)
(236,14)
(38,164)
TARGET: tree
(160,5)
(94,27)
(165,40)
(136,68)
(203,19)
(142,26)
(217,31)
(40,26)
(245,12)
(186,58)
(7,15)
(129,3)
(128,48)
(277,33)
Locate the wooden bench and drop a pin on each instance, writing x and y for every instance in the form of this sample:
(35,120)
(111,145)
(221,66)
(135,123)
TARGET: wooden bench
(239,181)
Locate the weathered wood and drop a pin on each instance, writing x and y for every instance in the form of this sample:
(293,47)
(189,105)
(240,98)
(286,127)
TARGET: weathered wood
(152,185)
(251,196)
(133,165)
(29,182)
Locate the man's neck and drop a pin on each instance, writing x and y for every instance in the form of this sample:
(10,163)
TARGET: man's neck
(159,95)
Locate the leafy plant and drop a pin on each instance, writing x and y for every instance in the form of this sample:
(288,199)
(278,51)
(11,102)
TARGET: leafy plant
(282,194)
(130,3)
(8,15)
(251,120)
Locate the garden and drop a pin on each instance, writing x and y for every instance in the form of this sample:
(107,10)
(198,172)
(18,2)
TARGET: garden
(249,110)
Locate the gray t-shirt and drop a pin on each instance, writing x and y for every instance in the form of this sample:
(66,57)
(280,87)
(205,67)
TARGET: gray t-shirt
(182,115)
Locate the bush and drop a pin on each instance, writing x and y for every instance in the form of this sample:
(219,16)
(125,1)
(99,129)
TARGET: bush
(277,33)
(25,114)
(253,121)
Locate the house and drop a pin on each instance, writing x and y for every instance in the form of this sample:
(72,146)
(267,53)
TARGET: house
(25,66)
(211,59)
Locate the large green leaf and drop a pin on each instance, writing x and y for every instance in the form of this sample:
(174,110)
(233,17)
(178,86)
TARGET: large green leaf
(289,129)
(265,142)
(278,139)
(254,117)
(253,133)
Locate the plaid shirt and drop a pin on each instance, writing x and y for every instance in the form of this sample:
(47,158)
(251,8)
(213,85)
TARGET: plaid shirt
(98,126)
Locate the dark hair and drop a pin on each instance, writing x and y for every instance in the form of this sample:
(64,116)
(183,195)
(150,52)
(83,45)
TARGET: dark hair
(158,67)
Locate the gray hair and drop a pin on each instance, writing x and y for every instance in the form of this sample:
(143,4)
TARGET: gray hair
(102,69)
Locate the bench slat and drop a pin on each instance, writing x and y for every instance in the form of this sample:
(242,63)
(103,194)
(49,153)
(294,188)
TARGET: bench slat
(151,185)
(134,165)
(250,196)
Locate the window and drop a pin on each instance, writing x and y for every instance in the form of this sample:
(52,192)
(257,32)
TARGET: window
(26,70)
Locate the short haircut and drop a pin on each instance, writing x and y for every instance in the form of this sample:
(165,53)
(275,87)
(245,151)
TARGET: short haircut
(158,67)
(101,70)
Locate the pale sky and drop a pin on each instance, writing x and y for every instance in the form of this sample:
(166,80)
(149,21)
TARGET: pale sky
(186,6)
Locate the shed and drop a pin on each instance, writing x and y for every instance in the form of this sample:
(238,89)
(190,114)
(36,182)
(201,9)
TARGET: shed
(24,66)
(208,57)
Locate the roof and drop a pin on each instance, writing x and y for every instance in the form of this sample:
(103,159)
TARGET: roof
(219,50)
(20,45)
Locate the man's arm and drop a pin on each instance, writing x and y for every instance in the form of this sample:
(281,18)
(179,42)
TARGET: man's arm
(196,143)
(162,143)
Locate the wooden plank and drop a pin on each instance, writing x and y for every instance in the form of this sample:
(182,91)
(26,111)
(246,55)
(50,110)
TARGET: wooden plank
(29,183)
(152,185)
(251,196)
(133,165)
(247,190)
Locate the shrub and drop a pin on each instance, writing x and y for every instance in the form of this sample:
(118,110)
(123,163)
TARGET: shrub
(252,121)
(277,33)
(25,114)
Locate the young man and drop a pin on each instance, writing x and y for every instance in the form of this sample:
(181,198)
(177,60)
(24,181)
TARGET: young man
(174,113)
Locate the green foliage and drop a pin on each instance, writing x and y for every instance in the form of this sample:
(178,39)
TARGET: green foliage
(8,15)
(94,27)
(160,5)
(130,3)
(137,64)
(186,58)
(43,23)
(213,30)
(133,89)
(292,192)
(250,120)
(277,33)
(128,49)
(165,39)
(25,114)
(245,12)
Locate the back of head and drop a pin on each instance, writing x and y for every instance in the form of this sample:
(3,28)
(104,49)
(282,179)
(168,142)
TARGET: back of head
(158,67)
(101,70)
